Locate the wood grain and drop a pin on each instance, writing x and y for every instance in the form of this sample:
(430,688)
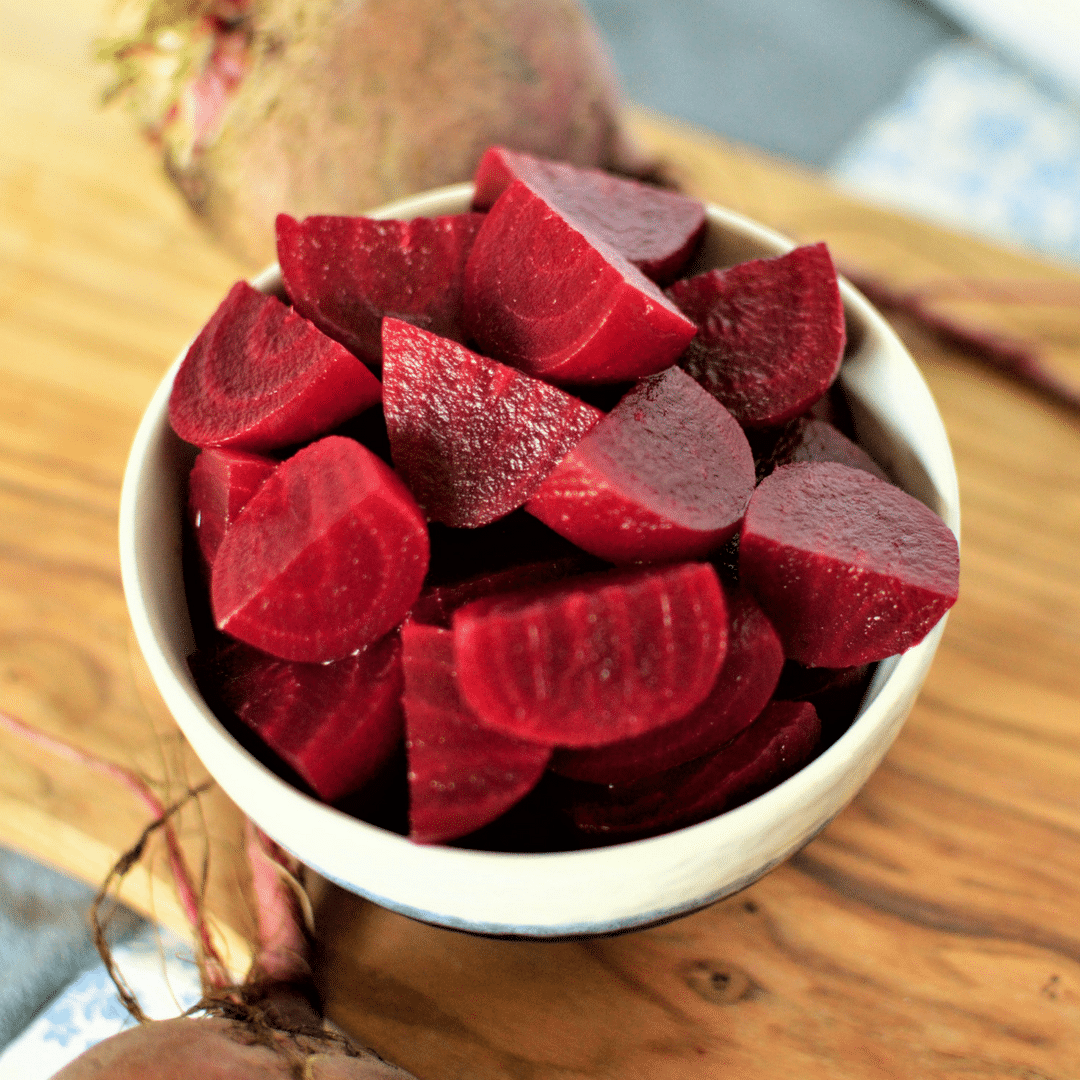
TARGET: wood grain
(933,930)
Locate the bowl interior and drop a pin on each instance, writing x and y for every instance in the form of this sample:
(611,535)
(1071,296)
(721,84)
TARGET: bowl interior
(566,893)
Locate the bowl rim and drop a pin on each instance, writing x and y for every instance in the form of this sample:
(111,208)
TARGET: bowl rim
(820,789)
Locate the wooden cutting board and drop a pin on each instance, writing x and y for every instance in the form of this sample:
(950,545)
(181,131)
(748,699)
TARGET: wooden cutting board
(933,930)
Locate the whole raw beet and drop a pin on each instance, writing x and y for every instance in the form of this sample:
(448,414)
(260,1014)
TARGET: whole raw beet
(335,106)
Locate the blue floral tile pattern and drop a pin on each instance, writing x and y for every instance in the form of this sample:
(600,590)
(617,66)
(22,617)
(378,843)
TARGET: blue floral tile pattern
(975,145)
(157,967)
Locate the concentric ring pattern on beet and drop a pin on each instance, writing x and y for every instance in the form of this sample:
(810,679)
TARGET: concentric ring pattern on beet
(515,521)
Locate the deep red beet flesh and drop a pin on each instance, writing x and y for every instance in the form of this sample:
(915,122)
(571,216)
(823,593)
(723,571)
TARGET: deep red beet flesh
(771,333)
(848,568)
(462,775)
(596,659)
(346,273)
(667,474)
(260,377)
(655,229)
(558,303)
(328,556)
(471,437)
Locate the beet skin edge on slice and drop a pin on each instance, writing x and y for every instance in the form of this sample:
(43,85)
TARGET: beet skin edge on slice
(259,377)
(596,659)
(471,437)
(462,775)
(558,303)
(327,557)
(848,568)
(666,475)
(770,333)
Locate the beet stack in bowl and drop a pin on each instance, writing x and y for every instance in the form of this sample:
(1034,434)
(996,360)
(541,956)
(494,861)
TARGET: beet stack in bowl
(632,881)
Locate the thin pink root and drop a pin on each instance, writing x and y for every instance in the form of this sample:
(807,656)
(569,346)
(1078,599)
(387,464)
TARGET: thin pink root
(213,968)
(1022,361)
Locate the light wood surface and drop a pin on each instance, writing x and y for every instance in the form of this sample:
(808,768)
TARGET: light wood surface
(933,930)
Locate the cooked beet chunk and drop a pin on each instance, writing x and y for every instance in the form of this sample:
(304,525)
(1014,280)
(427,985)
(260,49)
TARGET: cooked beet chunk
(848,568)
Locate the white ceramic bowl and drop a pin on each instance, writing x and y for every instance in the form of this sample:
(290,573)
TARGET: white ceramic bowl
(568,893)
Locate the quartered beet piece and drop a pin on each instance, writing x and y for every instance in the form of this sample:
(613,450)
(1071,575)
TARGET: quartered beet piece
(775,746)
(771,333)
(657,230)
(335,724)
(259,377)
(346,273)
(848,568)
(471,437)
(746,681)
(219,487)
(666,475)
(595,659)
(327,557)
(461,775)
(559,303)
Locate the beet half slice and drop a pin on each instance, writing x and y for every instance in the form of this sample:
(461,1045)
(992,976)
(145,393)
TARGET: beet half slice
(462,776)
(666,475)
(596,659)
(471,437)
(848,568)
(335,724)
(259,377)
(775,746)
(326,558)
(346,273)
(656,230)
(554,301)
(220,485)
(746,681)
(771,333)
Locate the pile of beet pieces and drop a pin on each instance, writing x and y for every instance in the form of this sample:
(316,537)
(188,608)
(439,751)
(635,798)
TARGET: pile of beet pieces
(600,559)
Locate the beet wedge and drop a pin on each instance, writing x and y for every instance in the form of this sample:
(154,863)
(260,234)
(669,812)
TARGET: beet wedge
(462,776)
(775,746)
(848,568)
(335,724)
(658,231)
(259,377)
(220,485)
(742,689)
(666,475)
(596,659)
(543,295)
(771,333)
(346,273)
(471,437)
(327,557)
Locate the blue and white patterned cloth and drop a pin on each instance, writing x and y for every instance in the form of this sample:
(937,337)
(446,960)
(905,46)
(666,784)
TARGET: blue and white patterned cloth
(975,145)
(156,966)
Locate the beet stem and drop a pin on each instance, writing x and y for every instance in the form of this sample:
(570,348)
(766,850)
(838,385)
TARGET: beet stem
(211,967)
(1022,361)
